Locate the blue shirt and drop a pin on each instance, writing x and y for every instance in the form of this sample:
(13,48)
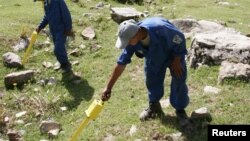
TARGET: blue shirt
(166,41)
(57,15)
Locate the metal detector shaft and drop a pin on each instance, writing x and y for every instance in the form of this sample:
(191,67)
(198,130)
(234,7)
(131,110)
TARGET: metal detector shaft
(79,129)
(28,50)
(92,112)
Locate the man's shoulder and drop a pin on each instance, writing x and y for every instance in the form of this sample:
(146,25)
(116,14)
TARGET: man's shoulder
(154,22)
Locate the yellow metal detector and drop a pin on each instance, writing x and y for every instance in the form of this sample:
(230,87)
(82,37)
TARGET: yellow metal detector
(92,112)
(28,50)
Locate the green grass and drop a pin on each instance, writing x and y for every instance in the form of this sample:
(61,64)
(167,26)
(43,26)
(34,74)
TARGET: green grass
(129,96)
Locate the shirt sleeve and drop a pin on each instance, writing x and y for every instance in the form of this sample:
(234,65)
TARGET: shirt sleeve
(44,21)
(125,57)
(65,15)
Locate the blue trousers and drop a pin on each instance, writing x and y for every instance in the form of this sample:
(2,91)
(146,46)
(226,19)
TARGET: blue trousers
(178,90)
(59,50)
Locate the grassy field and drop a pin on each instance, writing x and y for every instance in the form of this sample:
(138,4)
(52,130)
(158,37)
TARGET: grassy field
(129,97)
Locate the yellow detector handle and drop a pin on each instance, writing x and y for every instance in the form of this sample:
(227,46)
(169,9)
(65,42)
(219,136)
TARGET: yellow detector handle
(92,112)
(28,50)
(94,109)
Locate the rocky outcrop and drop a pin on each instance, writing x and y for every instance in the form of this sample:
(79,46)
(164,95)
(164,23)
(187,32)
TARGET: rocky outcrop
(213,48)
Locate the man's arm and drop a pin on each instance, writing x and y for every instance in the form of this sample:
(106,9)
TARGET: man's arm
(118,70)
(175,66)
(178,48)
(42,24)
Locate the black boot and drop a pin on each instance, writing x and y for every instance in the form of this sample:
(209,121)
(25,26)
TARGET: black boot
(182,117)
(66,67)
(70,76)
(152,111)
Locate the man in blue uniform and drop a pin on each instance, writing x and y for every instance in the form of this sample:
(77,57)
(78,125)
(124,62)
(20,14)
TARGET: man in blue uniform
(163,46)
(58,17)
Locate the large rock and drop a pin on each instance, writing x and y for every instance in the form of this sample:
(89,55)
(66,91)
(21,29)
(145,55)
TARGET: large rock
(213,48)
(233,71)
(11,59)
(120,14)
(17,78)
(191,26)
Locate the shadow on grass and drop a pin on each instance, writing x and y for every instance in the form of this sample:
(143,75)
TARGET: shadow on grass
(80,91)
(196,131)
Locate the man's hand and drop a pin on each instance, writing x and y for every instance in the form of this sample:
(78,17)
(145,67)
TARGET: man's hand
(106,94)
(175,66)
(38,30)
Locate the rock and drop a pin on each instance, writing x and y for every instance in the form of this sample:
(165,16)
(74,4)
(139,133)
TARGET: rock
(95,47)
(6,120)
(75,52)
(47,64)
(212,90)
(88,33)
(57,66)
(120,14)
(177,136)
(63,108)
(17,78)
(14,135)
(21,45)
(11,59)
(213,48)
(132,130)
(51,81)
(19,122)
(192,26)
(223,3)
(233,71)
(109,137)
(99,5)
(165,103)
(201,113)
(53,133)
(75,63)
(46,126)
(20,114)
(168,138)
(156,136)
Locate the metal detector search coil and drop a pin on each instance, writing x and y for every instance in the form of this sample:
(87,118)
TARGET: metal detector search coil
(94,109)
(92,112)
